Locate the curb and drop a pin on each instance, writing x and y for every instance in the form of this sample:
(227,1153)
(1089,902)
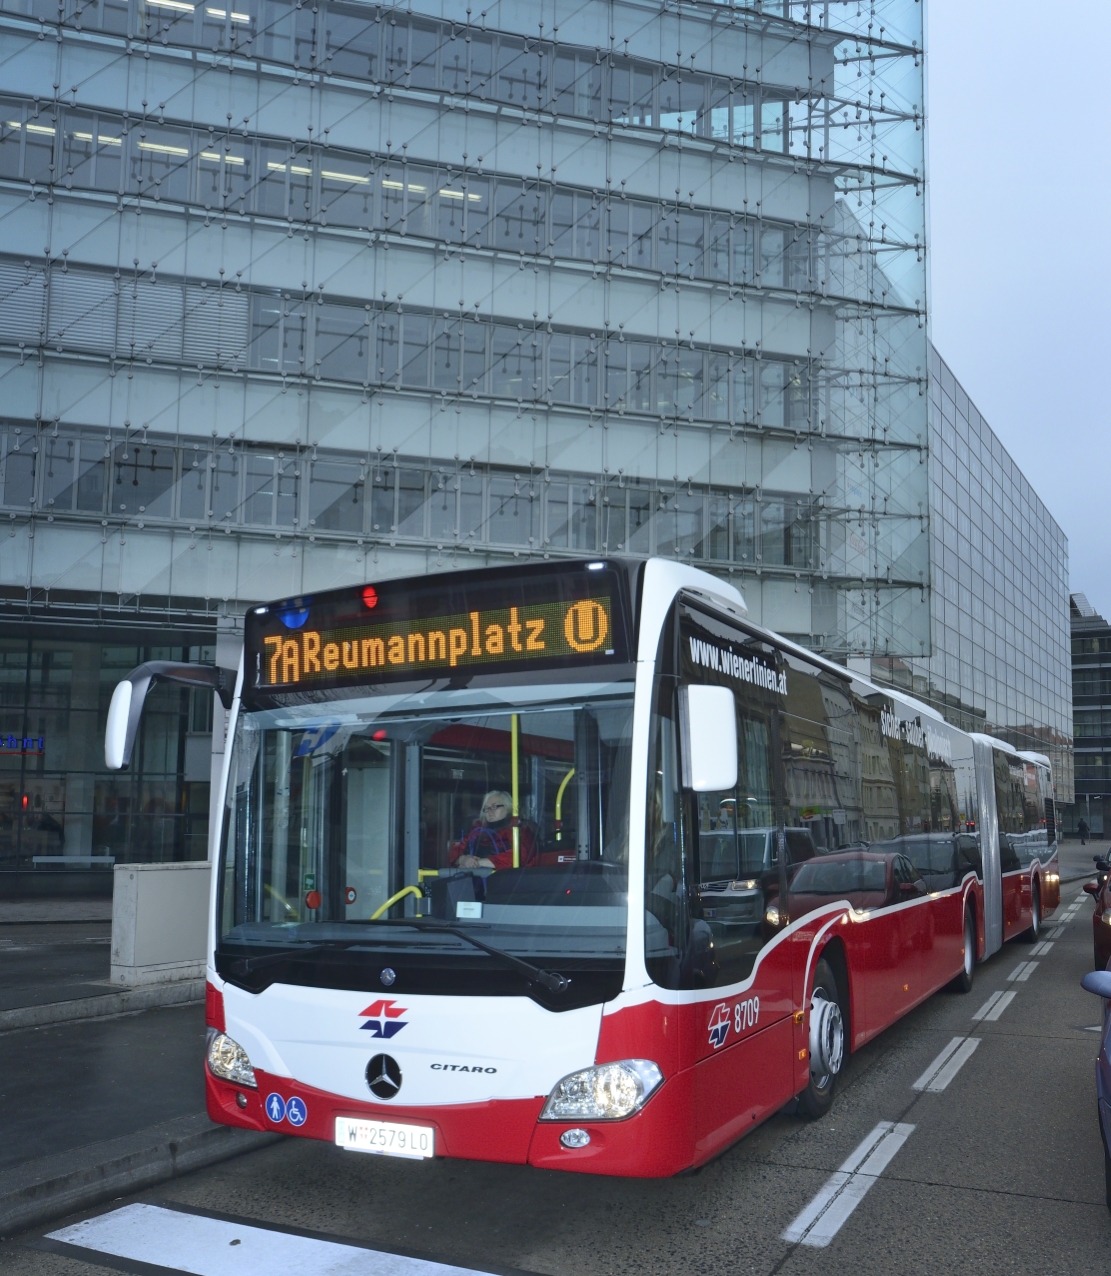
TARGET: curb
(53,1186)
(1077,877)
(111,1003)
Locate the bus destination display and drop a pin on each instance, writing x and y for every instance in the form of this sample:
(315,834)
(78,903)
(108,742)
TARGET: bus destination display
(568,631)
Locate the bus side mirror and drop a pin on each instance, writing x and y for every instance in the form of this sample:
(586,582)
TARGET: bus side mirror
(118,739)
(126,709)
(708,730)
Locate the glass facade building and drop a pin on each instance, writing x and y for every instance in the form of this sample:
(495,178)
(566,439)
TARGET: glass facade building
(293,296)
(1091,700)
(999,564)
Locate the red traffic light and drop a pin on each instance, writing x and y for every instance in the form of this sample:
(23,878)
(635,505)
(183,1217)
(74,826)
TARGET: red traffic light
(370,596)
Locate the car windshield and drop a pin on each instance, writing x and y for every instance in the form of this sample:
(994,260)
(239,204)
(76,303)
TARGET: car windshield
(372,825)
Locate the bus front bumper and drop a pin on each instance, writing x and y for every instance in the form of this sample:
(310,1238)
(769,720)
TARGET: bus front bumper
(653,1143)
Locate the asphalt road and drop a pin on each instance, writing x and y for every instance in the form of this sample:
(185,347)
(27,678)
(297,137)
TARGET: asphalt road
(994,1166)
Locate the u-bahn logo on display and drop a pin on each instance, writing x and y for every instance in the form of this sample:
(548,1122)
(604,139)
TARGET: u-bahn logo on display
(586,625)
(383,1018)
(719,1025)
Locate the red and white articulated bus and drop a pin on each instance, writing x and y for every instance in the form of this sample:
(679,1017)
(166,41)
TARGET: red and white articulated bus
(571,865)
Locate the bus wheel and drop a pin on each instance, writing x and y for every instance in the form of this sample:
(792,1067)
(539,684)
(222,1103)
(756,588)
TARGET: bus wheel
(827,1043)
(963,982)
(1032,934)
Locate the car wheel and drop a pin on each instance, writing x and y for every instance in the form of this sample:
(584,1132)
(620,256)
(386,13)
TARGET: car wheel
(827,1043)
(963,982)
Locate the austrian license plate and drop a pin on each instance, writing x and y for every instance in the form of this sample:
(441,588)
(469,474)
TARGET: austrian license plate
(385,1138)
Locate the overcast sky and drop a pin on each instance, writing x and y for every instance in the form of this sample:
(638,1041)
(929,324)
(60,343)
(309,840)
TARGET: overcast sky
(1021,262)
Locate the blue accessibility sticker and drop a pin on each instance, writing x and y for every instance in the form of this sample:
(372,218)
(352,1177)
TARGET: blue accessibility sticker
(296,1112)
(275,1108)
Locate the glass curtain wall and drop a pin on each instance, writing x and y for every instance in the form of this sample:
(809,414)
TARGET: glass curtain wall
(533,283)
(60,808)
(1000,602)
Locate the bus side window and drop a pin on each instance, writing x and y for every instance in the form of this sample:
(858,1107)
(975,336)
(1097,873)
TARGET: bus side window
(712,873)
(1009,805)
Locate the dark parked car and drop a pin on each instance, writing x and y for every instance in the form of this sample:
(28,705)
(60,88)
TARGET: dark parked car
(1100,891)
(1099,982)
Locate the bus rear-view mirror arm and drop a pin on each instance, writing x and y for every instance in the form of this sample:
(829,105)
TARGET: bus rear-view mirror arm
(126,708)
(708,731)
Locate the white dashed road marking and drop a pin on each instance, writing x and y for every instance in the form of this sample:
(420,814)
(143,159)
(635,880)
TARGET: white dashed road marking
(195,1243)
(824,1217)
(1022,971)
(1040,950)
(947,1064)
(994,1006)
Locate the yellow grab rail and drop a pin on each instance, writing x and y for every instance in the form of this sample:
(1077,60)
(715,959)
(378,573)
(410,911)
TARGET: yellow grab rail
(515,731)
(559,804)
(405,890)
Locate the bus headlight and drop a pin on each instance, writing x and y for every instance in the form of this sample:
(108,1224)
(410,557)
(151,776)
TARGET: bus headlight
(228,1060)
(606,1092)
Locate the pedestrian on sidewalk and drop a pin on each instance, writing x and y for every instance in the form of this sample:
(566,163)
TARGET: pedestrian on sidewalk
(1083,830)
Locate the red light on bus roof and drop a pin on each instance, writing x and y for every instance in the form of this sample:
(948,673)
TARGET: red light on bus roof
(370,596)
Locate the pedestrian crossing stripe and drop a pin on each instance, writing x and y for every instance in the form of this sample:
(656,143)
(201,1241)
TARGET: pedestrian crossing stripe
(204,1245)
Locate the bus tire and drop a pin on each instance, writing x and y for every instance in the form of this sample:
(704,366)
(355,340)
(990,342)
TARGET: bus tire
(827,1043)
(1031,935)
(963,982)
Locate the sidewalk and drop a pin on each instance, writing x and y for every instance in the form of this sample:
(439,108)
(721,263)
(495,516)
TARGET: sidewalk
(1077,861)
(32,911)
(54,972)
(49,962)
(108,1103)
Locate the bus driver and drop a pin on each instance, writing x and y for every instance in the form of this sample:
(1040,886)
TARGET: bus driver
(489,843)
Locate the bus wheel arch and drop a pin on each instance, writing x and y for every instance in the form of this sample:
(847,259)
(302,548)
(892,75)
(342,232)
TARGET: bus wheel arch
(828,1031)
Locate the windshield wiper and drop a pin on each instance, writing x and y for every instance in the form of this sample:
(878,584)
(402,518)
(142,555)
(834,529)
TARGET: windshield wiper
(534,974)
(247,964)
(548,979)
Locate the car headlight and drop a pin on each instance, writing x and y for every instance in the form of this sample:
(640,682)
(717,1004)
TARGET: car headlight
(229,1061)
(606,1092)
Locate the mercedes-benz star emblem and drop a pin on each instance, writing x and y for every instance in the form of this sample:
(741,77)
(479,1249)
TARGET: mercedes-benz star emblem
(383,1076)
(388,976)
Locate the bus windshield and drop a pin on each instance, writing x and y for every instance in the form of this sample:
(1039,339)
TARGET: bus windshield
(358,831)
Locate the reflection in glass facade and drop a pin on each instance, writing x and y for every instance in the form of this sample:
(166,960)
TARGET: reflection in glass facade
(59,805)
(353,291)
(1000,601)
(293,296)
(1091,699)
